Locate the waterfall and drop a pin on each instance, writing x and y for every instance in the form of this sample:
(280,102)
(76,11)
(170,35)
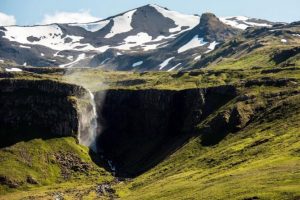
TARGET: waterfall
(88,125)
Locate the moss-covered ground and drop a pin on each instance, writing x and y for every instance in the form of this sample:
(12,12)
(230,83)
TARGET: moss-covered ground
(49,164)
(262,161)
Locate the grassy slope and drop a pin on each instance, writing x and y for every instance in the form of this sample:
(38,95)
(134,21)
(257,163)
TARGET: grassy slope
(253,48)
(238,167)
(36,158)
(260,161)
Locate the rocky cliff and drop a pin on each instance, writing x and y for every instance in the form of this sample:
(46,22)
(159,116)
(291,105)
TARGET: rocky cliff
(142,127)
(37,109)
(139,128)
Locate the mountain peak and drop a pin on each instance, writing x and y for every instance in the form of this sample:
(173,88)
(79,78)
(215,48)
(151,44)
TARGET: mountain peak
(213,29)
(209,19)
(147,6)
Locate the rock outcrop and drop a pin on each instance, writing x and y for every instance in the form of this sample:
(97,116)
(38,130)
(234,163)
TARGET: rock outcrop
(212,29)
(228,121)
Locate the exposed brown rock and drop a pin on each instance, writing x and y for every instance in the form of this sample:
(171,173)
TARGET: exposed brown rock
(31,180)
(70,163)
(10,183)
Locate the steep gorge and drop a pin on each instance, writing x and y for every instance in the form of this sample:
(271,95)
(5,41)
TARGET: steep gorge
(140,127)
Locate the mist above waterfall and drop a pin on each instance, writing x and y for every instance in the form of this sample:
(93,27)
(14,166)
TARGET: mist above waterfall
(88,108)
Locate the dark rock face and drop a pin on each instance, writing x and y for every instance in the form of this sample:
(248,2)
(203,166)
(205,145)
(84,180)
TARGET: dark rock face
(142,127)
(271,82)
(282,56)
(31,180)
(10,183)
(212,29)
(37,109)
(228,121)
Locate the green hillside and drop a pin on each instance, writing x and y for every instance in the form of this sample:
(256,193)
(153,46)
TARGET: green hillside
(261,161)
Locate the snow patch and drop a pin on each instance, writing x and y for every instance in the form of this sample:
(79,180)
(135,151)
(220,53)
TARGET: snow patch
(56,55)
(150,47)
(70,58)
(139,40)
(195,42)
(258,24)
(235,24)
(104,61)
(283,40)
(79,58)
(42,54)
(50,36)
(242,22)
(169,70)
(24,47)
(137,63)
(122,24)
(197,57)
(103,48)
(213,45)
(13,70)
(165,63)
(242,18)
(93,27)
(179,19)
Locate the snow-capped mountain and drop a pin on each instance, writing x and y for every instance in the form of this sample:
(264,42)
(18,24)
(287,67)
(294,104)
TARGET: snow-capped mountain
(242,22)
(146,38)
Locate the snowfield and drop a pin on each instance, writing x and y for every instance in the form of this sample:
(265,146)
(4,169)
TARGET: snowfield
(79,58)
(13,70)
(195,42)
(241,22)
(92,27)
(169,70)
(197,57)
(25,47)
(136,40)
(50,36)
(165,63)
(122,24)
(137,64)
(179,19)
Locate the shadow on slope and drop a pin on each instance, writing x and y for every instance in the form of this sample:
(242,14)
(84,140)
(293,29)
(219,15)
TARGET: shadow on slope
(142,128)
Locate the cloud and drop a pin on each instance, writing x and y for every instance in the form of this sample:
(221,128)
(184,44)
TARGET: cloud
(69,17)
(6,20)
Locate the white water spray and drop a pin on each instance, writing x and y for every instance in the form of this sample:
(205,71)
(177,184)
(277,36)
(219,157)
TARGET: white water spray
(88,124)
